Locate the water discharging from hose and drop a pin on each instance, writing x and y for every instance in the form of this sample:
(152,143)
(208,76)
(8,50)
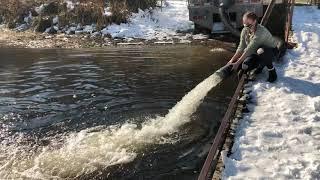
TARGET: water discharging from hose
(89,150)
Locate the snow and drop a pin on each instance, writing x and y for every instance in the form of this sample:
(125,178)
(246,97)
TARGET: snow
(280,137)
(169,22)
(70,5)
(28,19)
(55,20)
(107,11)
(160,23)
(21,28)
(89,28)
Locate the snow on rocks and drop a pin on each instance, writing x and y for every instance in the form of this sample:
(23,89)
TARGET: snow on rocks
(280,137)
(107,11)
(28,19)
(160,23)
(89,28)
(55,20)
(168,23)
(70,5)
(21,28)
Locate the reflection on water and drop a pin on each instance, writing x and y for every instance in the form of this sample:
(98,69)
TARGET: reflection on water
(79,113)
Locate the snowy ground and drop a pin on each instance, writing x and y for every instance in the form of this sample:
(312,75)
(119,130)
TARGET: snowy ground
(169,24)
(280,138)
(160,23)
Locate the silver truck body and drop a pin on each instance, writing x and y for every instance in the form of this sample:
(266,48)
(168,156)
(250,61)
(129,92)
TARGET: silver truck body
(205,13)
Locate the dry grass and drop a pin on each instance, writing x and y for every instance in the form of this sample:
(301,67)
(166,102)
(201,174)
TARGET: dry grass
(85,12)
(13,11)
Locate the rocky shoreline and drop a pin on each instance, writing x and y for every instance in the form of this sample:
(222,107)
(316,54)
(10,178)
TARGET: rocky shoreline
(66,25)
(74,24)
(30,39)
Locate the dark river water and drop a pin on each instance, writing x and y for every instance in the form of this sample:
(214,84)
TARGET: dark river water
(85,114)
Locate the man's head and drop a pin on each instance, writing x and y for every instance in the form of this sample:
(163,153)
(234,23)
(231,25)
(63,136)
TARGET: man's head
(250,19)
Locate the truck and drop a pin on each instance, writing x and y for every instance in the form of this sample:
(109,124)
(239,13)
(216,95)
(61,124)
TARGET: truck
(225,16)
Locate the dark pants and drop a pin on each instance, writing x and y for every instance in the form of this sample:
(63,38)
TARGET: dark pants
(262,59)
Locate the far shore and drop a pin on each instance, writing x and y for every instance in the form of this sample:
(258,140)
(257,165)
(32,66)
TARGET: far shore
(29,39)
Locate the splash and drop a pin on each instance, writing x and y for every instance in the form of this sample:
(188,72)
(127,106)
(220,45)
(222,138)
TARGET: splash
(86,151)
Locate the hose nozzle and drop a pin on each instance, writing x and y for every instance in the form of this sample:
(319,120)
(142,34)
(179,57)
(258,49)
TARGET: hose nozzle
(225,71)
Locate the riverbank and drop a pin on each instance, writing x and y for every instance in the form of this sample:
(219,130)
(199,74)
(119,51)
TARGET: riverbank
(166,25)
(279,137)
(29,39)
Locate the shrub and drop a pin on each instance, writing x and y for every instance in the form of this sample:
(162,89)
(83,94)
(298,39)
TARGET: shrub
(85,11)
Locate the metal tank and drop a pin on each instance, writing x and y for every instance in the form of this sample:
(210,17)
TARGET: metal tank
(223,16)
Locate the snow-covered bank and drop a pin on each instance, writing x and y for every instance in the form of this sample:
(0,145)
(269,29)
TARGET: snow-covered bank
(280,137)
(159,23)
(167,25)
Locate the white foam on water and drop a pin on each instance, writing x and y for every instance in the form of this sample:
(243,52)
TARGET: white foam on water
(86,151)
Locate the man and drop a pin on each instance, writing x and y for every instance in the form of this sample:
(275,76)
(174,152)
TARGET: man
(257,48)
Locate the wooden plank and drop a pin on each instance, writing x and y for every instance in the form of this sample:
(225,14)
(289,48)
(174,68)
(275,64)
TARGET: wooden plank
(220,137)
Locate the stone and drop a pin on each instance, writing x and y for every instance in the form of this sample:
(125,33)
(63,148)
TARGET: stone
(96,34)
(55,20)
(51,30)
(79,27)
(22,27)
(79,32)
(42,24)
(28,19)
(68,32)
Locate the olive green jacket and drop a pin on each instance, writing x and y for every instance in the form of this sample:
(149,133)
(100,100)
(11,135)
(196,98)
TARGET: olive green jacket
(251,42)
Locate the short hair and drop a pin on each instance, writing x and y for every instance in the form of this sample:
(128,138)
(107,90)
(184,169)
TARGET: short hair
(250,15)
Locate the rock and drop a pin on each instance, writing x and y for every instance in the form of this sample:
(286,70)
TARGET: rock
(51,30)
(22,27)
(96,34)
(69,32)
(60,35)
(43,24)
(79,27)
(56,28)
(245,109)
(317,104)
(89,29)
(55,20)
(79,32)
(64,29)
(48,37)
(28,19)
(72,28)
(247,91)
(108,35)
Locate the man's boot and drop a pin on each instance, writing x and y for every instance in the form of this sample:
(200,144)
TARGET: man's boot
(258,70)
(272,75)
